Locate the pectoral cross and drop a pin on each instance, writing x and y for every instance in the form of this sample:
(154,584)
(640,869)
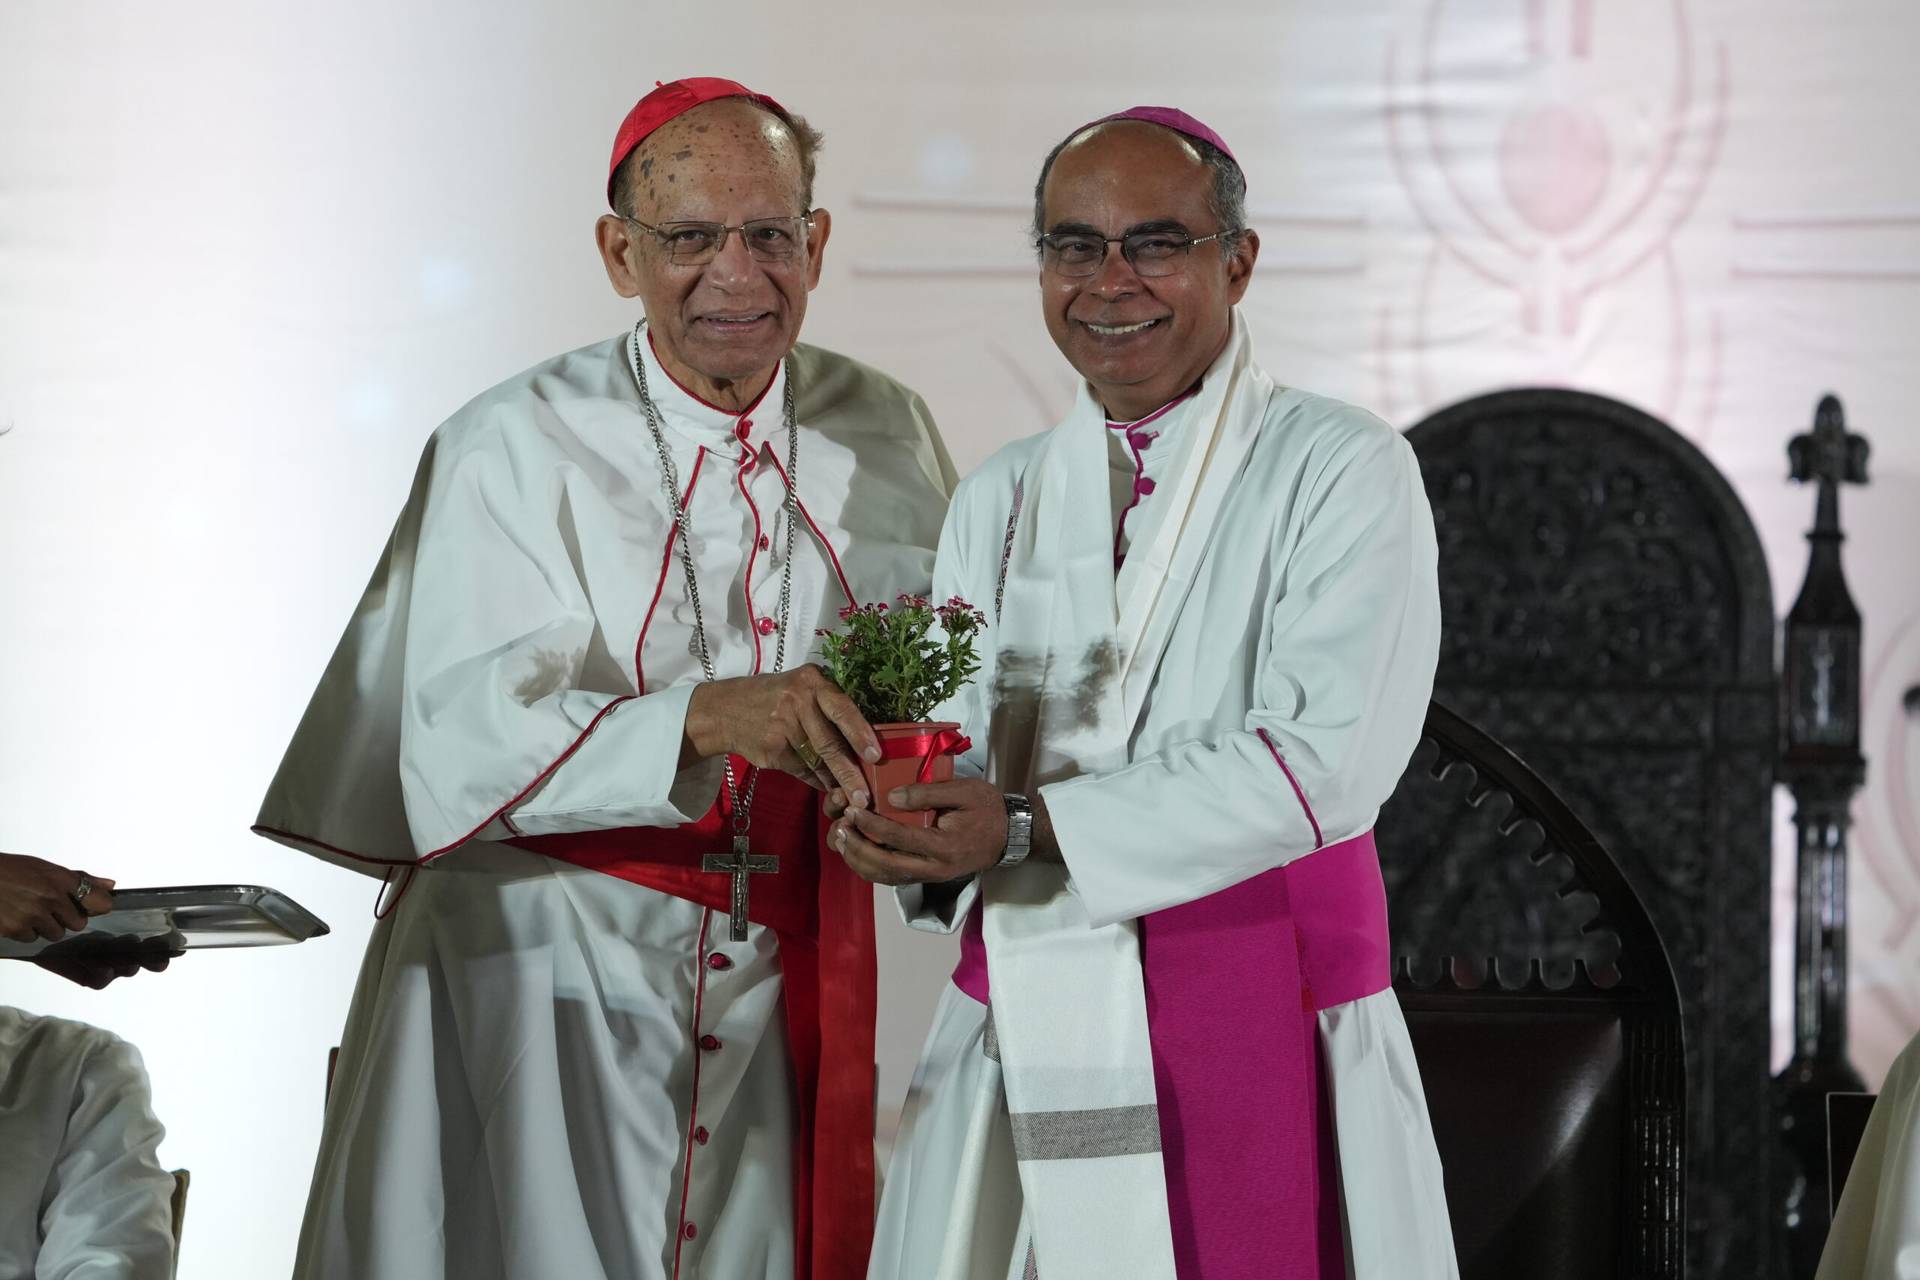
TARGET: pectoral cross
(740,864)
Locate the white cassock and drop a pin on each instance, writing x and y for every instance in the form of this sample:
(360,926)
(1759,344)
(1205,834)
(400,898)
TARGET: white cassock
(1242,695)
(548,1071)
(1876,1225)
(82,1193)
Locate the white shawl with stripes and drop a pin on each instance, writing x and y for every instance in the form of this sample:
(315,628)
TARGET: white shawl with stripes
(1077,652)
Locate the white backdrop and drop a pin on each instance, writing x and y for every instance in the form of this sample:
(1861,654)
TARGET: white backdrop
(251,252)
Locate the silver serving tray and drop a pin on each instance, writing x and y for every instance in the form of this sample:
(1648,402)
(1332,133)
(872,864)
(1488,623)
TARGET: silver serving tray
(175,918)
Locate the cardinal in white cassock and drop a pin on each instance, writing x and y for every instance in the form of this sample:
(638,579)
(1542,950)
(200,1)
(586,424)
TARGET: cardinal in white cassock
(617,1018)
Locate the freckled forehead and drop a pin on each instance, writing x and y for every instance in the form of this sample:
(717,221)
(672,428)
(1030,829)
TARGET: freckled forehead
(729,132)
(721,155)
(1130,168)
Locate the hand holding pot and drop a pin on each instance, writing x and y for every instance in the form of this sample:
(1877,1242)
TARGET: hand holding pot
(968,834)
(798,722)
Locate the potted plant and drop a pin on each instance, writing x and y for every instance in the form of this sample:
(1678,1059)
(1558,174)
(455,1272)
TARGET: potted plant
(896,672)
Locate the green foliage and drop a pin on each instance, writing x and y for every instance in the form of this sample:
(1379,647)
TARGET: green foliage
(891,667)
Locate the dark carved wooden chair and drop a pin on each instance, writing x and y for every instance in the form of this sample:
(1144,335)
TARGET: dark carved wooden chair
(1609,617)
(1545,1018)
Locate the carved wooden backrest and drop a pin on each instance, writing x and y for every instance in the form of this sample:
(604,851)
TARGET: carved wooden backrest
(1608,617)
(1554,1065)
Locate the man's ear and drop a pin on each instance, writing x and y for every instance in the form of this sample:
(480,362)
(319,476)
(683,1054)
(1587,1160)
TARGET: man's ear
(620,253)
(1246,251)
(817,245)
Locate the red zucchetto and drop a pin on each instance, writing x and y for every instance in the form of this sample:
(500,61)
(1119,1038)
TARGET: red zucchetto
(674,98)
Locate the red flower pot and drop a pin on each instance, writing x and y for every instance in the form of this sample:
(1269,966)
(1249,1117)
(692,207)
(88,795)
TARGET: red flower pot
(910,753)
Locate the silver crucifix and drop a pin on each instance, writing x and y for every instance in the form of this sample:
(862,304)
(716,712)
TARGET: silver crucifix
(740,864)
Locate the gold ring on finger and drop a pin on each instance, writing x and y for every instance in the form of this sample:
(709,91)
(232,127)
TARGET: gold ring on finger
(808,756)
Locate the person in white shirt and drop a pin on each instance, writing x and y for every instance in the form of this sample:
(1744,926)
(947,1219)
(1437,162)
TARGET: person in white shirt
(82,1193)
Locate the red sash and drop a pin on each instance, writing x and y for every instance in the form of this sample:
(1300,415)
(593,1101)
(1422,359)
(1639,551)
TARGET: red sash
(823,915)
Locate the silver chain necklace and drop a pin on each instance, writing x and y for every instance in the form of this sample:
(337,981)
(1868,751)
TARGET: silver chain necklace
(741,863)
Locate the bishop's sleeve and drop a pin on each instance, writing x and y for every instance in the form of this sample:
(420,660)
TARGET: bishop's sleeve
(106,1214)
(517,719)
(940,908)
(1349,641)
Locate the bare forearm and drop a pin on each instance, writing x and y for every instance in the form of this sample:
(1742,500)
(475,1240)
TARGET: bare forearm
(700,737)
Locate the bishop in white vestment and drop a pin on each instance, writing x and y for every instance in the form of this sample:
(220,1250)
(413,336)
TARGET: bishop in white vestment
(561,1061)
(1170,1048)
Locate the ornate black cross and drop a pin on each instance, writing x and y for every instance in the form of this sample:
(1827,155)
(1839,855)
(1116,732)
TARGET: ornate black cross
(1822,765)
(740,864)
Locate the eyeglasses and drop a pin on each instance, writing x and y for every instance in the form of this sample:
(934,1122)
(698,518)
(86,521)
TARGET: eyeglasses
(691,244)
(1149,253)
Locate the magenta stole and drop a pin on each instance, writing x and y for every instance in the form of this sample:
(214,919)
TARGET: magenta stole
(1233,984)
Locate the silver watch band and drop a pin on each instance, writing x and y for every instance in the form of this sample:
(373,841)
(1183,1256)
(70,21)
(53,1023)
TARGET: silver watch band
(1019,829)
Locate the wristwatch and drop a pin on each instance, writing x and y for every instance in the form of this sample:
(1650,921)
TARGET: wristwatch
(1019,830)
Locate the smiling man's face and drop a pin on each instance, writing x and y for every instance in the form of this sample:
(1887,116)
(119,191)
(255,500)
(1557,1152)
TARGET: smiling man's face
(722,326)
(1139,341)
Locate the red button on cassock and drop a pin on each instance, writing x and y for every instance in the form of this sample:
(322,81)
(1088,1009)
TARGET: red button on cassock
(1140,439)
(718,961)
(709,1043)
(701,1135)
(766,626)
(1143,485)
(765,542)
(689,1231)
(746,425)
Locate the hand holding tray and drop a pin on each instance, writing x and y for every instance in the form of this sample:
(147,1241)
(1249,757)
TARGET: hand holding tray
(168,920)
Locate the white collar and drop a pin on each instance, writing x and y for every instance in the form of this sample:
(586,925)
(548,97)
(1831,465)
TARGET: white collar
(703,422)
(1160,416)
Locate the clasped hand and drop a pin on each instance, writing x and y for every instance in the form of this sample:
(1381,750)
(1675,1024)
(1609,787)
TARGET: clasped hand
(968,836)
(778,721)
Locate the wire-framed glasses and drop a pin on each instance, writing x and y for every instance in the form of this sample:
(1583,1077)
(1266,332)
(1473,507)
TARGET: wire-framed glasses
(690,244)
(1149,253)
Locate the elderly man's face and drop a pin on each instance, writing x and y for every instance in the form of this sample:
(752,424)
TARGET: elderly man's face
(1140,341)
(719,327)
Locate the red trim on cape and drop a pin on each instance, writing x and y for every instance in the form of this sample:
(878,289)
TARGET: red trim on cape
(423,859)
(539,778)
(261,829)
